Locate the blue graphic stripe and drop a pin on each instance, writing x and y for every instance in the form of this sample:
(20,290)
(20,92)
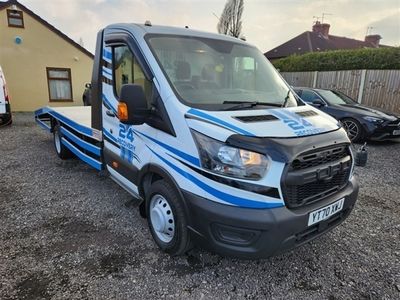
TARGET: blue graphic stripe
(123,149)
(135,157)
(87,159)
(107,71)
(110,136)
(122,153)
(189,158)
(85,145)
(229,198)
(107,55)
(107,76)
(130,156)
(300,126)
(278,114)
(193,160)
(108,103)
(213,119)
(286,114)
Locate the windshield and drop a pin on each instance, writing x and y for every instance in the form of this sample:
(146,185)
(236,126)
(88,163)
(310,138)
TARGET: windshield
(336,98)
(215,75)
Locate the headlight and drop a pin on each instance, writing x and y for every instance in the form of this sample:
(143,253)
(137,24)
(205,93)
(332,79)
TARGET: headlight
(373,120)
(223,159)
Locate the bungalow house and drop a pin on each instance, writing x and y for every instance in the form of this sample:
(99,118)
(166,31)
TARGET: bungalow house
(41,64)
(319,39)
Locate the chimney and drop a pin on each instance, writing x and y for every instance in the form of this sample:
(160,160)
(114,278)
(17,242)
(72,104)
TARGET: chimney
(322,29)
(373,39)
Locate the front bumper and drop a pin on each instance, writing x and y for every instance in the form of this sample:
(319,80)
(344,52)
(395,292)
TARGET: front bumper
(259,233)
(383,132)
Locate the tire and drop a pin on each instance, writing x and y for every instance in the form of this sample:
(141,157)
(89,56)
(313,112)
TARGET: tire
(62,151)
(354,130)
(167,219)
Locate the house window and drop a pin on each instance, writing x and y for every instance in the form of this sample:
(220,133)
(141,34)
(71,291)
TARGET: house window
(59,83)
(15,18)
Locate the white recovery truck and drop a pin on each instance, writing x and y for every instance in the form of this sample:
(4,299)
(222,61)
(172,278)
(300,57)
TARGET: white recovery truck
(207,135)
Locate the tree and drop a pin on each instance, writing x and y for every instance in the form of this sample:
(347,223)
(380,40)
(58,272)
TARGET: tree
(230,22)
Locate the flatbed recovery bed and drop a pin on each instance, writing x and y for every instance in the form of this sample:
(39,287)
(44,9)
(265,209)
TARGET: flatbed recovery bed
(75,123)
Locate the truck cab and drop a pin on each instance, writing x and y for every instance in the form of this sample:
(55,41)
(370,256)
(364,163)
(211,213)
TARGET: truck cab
(214,143)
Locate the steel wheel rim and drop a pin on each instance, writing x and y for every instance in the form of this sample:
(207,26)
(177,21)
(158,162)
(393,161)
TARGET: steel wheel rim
(162,218)
(351,129)
(57,142)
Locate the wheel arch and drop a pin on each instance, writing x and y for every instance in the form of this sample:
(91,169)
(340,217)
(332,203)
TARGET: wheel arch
(149,174)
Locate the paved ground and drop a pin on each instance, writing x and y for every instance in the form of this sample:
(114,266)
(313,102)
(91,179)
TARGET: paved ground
(67,232)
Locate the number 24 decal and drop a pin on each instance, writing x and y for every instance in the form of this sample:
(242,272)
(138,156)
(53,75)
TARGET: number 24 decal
(126,132)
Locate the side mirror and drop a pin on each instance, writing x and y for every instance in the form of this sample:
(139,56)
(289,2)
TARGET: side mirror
(132,107)
(318,102)
(88,85)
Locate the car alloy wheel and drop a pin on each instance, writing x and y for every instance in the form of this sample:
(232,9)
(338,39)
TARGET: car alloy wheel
(351,128)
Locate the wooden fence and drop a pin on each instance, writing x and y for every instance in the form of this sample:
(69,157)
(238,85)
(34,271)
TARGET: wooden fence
(378,88)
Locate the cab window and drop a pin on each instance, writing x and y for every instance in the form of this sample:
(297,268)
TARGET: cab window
(127,70)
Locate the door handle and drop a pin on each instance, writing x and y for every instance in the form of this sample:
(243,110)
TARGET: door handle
(110,113)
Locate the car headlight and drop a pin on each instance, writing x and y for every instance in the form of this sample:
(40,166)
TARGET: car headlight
(373,120)
(229,161)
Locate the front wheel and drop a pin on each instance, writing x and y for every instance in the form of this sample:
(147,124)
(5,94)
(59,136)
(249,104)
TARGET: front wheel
(167,219)
(353,129)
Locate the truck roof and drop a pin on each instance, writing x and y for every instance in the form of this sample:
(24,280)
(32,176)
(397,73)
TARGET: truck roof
(142,29)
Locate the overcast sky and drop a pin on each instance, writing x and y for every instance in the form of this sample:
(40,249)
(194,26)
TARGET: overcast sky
(266,23)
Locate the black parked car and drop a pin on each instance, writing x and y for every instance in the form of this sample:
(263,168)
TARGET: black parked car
(87,94)
(361,122)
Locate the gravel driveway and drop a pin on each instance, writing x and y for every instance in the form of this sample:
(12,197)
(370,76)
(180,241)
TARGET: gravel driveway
(68,232)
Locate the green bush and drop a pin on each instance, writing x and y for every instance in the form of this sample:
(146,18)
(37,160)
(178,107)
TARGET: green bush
(367,58)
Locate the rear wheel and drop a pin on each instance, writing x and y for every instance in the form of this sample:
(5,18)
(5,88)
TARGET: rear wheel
(167,219)
(354,130)
(62,151)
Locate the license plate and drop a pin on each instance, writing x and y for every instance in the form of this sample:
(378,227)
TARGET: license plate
(325,212)
(396,132)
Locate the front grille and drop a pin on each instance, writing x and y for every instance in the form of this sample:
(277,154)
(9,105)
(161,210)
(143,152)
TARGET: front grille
(316,174)
(315,158)
(298,195)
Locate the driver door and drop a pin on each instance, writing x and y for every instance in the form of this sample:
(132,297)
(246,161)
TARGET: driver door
(125,151)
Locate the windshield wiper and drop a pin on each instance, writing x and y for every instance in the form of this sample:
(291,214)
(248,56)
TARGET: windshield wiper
(247,104)
(286,98)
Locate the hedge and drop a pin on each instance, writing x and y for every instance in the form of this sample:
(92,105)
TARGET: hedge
(367,58)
